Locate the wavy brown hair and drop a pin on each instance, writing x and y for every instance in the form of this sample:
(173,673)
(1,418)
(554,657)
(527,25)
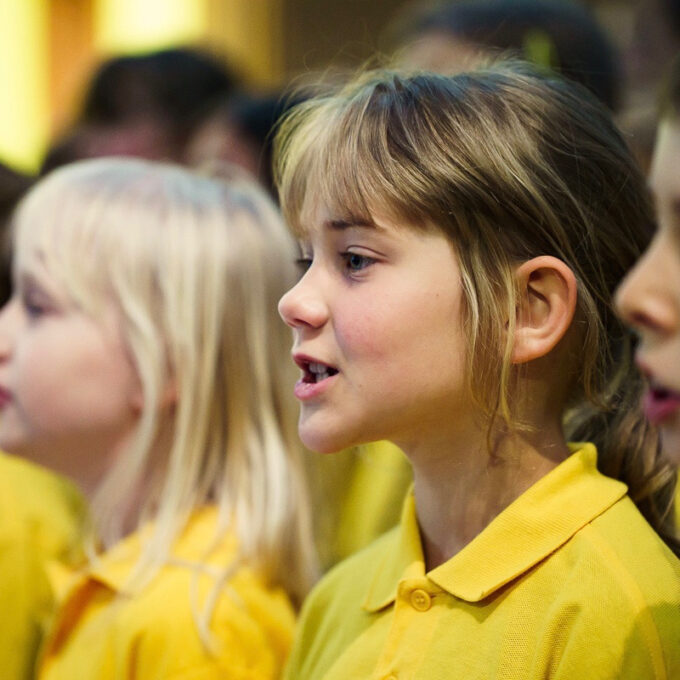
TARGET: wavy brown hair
(510,164)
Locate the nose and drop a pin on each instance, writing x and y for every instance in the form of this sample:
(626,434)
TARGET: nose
(303,305)
(9,319)
(646,299)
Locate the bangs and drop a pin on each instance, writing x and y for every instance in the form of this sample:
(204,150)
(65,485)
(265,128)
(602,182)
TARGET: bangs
(84,225)
(52,236)
(351,153)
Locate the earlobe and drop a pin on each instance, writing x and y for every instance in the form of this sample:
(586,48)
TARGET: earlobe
(547,291)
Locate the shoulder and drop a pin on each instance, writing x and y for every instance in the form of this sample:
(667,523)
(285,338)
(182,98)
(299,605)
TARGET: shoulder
(188,618)
(638,561)
(619,595)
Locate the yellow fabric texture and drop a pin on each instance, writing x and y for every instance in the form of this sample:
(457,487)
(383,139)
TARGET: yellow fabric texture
(102,632)
(358,494)
(568,582)
(42,518)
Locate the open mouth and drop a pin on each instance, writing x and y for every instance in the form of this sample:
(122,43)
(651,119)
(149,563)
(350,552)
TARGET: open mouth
(314,372)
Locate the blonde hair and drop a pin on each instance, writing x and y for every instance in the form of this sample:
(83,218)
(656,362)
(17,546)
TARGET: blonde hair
(509,163)
(195,266)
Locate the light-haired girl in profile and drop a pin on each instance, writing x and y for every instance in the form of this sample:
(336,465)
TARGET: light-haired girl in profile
(142,356)
(461,239)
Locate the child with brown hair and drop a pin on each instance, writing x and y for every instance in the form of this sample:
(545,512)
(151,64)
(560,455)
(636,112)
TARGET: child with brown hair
(461,239)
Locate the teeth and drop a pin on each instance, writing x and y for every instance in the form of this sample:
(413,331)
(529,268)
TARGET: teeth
(319,371)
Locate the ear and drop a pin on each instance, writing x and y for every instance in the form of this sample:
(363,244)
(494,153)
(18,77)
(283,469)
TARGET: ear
(545,309)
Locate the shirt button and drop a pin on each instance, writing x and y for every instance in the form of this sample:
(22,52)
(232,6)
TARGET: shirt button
(421,600)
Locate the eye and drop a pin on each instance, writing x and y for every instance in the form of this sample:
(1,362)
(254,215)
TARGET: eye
(34,304)
(356,262)
(34,309)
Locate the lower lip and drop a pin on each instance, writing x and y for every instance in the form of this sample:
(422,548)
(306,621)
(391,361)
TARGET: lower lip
(306,390)
(660,407)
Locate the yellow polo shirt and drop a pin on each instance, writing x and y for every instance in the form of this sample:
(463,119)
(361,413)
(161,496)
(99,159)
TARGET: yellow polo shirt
(41,519)
(569,582)
(102,633)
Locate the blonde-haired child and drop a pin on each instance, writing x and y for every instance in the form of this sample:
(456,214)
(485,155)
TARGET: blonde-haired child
(142,356)
(461,239)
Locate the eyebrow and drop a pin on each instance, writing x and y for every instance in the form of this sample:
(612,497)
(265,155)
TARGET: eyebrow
(341,225)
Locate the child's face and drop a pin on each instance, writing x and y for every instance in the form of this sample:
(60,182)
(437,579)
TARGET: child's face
(649,298)
(378,337)
(68,390)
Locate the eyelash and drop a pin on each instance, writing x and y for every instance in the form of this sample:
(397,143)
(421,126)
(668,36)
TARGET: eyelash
(365,261)
(34,309)
(360,262)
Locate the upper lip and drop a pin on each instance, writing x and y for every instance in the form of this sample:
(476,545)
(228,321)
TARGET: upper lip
(652,382)
(303,361)
(5,394)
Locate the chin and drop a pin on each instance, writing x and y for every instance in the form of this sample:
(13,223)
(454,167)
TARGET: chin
(324,439)
(320,443)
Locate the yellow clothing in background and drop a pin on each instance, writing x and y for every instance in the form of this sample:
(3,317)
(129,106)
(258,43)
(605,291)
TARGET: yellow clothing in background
(568,582)
(357,494)
(103,633)
(41,519)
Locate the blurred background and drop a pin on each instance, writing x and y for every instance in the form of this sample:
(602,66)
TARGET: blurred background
(50,50)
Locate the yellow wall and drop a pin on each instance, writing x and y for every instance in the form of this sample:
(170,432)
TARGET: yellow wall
(140,25)
(24,102)
(38,88)
(249,33)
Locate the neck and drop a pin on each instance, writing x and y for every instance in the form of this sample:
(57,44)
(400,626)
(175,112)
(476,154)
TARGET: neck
(134,499)
(461,488)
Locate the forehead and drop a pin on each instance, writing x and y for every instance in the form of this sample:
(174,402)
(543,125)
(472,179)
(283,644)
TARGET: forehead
(321,218)
(664,177)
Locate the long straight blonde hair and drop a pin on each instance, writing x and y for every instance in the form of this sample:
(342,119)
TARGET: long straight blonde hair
(195,267)
(509,163)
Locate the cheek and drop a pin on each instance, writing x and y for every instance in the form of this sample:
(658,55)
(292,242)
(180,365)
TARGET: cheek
(359,326)
(76,381)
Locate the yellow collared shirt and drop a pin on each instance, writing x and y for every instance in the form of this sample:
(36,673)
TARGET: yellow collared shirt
(102,633)
(568,582)
(41,519)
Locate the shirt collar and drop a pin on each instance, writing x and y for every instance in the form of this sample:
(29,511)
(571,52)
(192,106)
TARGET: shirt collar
(114,567)
(536,524)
